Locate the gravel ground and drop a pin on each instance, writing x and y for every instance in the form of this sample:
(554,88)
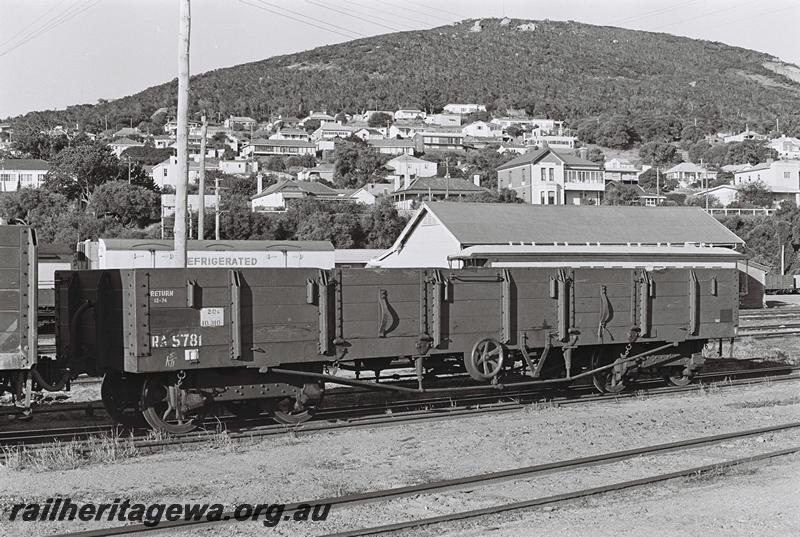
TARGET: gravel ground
(305,467)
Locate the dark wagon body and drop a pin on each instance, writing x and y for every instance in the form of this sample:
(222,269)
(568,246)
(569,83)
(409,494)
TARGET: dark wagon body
(221,334)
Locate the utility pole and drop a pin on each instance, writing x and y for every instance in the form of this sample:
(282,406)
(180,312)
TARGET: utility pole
(705,176)
(129,169)
(658,185)
(202,187)
(182,181)
(216,208)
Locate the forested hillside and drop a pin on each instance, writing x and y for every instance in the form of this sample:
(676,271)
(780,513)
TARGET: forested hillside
(558,69)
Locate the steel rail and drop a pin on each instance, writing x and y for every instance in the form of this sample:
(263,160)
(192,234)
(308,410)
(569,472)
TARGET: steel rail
(479,479)
(338,418)
(565,497)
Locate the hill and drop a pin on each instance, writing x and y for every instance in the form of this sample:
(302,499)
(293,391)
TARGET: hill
(556,69)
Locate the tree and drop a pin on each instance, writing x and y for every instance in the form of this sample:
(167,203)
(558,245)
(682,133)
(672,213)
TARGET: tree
(130,205)
(382,224)
(379,119)
(77,171)
(621,194)
(275,164)
(691,134)
(699,200)
(505,195)
(147,155)
(514,131)
(754,194)
(32,206)
(659,154)
(596,155)
(649,180)
(356,164)
(341,117)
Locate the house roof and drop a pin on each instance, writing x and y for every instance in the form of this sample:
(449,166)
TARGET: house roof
(211,245)
(309,187)
(390,142)
(408,159)
(125,141)
(498,223)
(532,157)
(686,167)
(283,143)
(242,119)
(289,131)
(756,168)
(376,189)
(453,185)
(24,164)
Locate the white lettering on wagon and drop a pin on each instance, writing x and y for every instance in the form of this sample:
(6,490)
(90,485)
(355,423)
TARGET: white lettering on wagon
(212,317)
(164,341)
(222,261)
(161,296)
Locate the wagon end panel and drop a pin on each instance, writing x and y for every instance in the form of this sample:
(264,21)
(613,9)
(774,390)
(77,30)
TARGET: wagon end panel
(18,259)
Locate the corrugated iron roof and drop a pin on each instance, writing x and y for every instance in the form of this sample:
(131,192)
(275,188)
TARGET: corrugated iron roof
(499,223)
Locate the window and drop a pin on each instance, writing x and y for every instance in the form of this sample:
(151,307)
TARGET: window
(544,198)
(5,177)
(551,198)
(544,174)
(551,174)
(166,172)
(787,175)
(27,177)
(650,202)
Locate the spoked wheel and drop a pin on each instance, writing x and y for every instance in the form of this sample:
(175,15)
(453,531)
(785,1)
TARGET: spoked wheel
(296,410)
(486,359)
(120,394)
(674,376)
(165,407)
(604,381)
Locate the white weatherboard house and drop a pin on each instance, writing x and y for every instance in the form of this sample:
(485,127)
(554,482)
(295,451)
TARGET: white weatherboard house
(782,177)
(441,231)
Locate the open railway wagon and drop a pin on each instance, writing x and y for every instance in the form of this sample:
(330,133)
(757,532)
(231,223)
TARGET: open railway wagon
(175,343)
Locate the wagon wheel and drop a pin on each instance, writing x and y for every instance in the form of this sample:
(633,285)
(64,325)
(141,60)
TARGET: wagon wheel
(120,396)
(161,414)
(604,381)
(674,376)
(289,412)
(486,359)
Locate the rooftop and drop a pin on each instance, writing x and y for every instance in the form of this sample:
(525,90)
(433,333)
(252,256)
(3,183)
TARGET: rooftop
(499,223)
(282,143)
(24,164)
(532,157)
(453,185)
(223,246)
(309,187)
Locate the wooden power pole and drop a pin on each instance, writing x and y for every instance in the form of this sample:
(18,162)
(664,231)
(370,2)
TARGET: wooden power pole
(201,217)
(182,181)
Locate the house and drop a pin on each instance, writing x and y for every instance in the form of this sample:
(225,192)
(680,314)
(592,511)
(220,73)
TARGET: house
(725,194)
(782,177)
(444,120)
(688,173)
(556,141)
(241,123)
(439,231)
(22,173)
(464,109)
(162,141)
(548,177)
(405,129)
(543,126)
(787,147)
(733,168)
(393,146)
(323,171)
(405,115)
(322,117)
(238,167)
(619,169)
(482,129)
(746,134)
(370,192)
(412,166)
(440,138)
(119,146)
(368,133)
(262,147)
(648,198)
(506,147)
(166,173)
(329,131)
(409,193)
(473,142)
(289,133)
(275,197)
(126,132)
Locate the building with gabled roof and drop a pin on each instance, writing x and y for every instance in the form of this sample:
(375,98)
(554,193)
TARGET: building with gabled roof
(549,177)
(275,197)
(409,193)
(411,166)
(440,231)
(688,173)
(262,147)
(19,173)
(393,146)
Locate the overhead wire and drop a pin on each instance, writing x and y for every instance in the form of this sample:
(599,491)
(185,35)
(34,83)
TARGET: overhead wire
(659,11)
(384,10)
(303,20)
(66,16)
(704,15)
(318,4)
(48,14)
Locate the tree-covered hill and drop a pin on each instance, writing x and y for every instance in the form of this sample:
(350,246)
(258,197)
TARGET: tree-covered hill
(558,69)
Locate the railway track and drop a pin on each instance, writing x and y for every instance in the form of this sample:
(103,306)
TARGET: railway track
(480,480)
(375,415)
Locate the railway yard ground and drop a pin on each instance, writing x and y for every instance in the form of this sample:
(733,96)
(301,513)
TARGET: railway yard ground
(756,498)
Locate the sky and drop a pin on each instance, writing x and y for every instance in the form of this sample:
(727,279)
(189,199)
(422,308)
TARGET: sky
(55,53)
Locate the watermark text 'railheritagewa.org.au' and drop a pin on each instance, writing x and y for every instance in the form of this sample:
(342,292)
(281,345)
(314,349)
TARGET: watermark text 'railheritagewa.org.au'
(61,509)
